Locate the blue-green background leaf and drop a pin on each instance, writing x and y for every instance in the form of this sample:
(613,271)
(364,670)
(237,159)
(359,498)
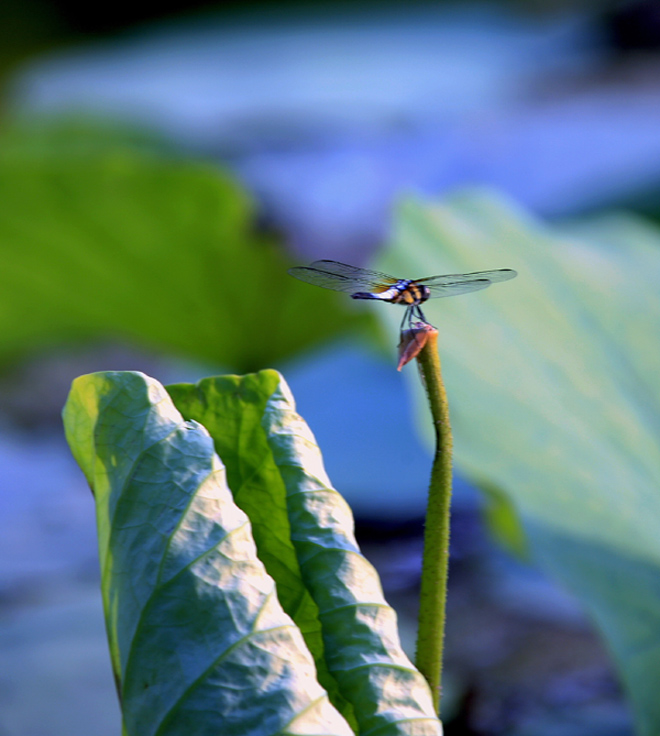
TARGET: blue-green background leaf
(554,389)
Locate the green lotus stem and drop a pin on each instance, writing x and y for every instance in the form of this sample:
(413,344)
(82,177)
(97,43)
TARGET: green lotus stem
(433,595)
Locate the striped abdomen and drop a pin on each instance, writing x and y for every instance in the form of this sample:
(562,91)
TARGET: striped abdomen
(404,291)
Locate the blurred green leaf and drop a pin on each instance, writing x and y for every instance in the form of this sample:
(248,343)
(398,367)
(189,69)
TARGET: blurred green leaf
(304,533)
(104,238)
(198,640)
(554,388)
(63,136)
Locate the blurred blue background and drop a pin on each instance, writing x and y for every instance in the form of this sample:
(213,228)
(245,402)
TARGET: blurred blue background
(328,114)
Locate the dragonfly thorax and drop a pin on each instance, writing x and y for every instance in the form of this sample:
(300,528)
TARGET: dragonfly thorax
(409,292)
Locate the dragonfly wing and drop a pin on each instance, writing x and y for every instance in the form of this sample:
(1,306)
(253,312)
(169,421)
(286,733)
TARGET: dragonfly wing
(500,274)
(364,276)
(342,277)
(333,281)
(462,283)
(440,290)
(350,279)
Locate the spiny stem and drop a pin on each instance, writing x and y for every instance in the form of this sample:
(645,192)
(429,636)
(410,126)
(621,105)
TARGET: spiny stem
(433,596)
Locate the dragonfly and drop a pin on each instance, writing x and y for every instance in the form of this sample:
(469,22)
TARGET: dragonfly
(362,283)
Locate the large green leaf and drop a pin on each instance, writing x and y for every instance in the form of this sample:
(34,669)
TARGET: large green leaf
(554,389)
(231,408)
(304,532)
(102,235)
(199,639)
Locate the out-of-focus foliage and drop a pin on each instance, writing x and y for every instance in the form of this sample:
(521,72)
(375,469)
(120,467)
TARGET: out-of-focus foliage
(196,614)
(104,233)
(554,388)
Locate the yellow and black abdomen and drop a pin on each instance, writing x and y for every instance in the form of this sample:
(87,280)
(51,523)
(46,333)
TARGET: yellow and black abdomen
(410,293)
(404,291)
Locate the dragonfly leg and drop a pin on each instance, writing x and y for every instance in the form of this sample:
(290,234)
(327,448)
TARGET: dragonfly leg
(406,318)
(420,314)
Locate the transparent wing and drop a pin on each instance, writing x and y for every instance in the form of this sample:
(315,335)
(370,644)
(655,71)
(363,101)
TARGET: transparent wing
(342,277)
(462,283)
(440,290)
